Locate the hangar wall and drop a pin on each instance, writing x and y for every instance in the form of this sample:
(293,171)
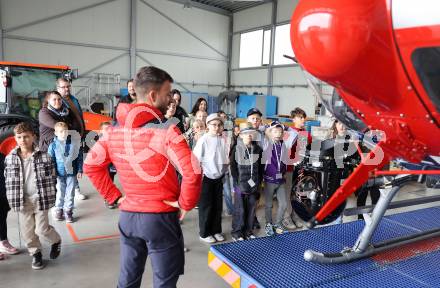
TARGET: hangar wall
(287,80)
(119,36)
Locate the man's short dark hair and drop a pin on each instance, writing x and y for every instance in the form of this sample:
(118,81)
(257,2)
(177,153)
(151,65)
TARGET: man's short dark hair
(221,112)
(23,127)
(130,81)
(298,112)
(149,78)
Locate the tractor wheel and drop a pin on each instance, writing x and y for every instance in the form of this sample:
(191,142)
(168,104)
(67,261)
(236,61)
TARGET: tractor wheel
(7,141)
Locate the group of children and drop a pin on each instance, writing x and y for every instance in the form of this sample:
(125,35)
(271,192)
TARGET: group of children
(257,157)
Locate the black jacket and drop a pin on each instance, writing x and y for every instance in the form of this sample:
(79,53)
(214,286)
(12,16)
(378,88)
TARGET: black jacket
(181,115)
(241,168)
(47,120)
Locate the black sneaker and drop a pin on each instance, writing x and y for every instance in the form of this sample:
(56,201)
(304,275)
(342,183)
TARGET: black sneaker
(55,250)
(37,261)
(250,236)
(237,238)
(69,216)
(59,215)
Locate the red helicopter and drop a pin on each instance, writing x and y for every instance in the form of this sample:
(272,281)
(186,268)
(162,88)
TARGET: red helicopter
(383,59)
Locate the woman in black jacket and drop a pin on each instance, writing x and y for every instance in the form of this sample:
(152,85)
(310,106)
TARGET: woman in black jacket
(53,111)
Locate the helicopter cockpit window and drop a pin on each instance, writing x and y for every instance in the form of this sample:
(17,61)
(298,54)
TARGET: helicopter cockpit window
(335,104)
(426,62)
(28,86)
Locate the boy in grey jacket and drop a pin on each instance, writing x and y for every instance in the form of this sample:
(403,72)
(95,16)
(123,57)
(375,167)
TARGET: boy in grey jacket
(30,188)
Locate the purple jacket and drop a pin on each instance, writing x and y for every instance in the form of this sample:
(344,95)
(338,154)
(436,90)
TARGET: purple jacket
(271,168)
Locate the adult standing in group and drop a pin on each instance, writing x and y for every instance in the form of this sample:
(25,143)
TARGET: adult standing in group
(63,87)
(131,97)
(145,148)
(201,105)
(54,110)
(180,114)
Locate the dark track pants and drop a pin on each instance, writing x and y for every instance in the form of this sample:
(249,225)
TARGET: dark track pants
(157,235)
(244,214)
(211,207)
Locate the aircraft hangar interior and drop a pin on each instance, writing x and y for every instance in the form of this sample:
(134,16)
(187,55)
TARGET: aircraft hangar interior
(219,143)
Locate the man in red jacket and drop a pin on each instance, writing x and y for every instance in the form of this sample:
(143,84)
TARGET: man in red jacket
(145,148)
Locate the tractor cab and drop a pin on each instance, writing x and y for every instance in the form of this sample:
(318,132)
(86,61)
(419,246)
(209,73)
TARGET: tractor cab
(22,87)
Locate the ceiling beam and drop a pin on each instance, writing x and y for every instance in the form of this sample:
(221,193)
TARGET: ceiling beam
(204,7)
(255,5)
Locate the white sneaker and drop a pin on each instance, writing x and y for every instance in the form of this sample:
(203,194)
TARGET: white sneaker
(79,195)
(219,237)
(208,239)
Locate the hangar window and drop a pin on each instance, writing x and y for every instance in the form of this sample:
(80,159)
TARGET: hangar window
(254,48)
(282,45)
(426,62)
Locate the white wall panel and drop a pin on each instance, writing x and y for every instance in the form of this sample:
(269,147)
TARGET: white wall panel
(285,9)
(205,71)
(76,57)
(289,98)
(158,33)
(109,25)
(288,75)
(253,17)
(104,25)
(250,77)
(18,12)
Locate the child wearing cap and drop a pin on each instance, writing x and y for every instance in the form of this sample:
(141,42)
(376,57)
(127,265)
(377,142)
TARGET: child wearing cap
(212,150)
(276,148)
(254,118)
(247,172)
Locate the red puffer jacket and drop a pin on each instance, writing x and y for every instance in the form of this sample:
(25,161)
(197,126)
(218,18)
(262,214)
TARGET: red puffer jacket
(145,157)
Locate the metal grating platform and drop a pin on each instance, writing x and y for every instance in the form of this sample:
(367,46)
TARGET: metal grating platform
(278,261)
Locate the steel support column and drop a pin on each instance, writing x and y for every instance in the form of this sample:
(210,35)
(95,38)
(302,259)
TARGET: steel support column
(272,47)
(1,38)
(230,38)
(133,30)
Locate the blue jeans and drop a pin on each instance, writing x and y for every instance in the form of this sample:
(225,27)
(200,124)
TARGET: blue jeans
(227,193)
(65,192)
